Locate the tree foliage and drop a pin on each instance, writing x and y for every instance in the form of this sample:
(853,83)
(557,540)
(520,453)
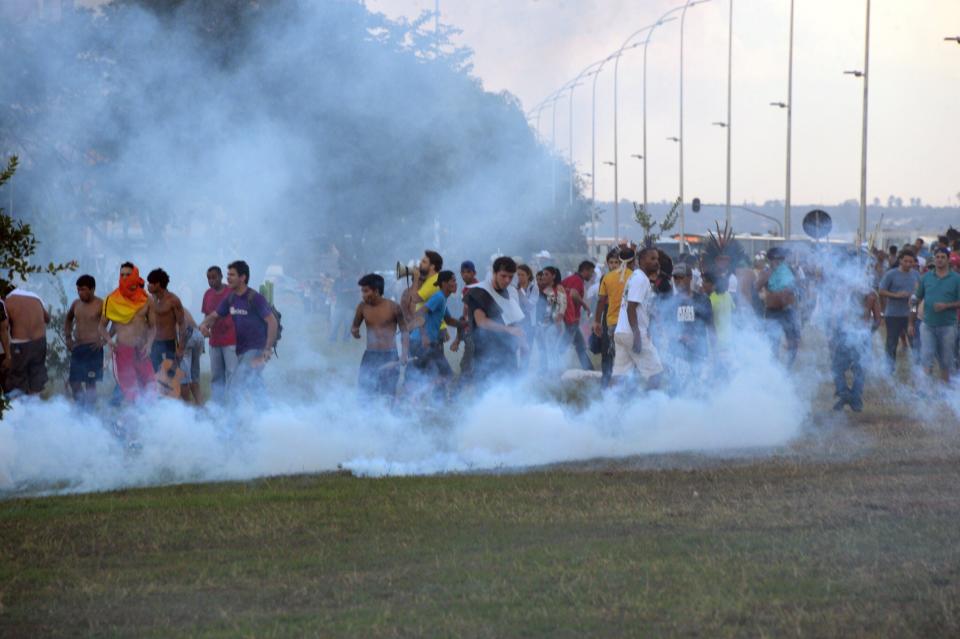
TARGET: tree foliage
(651,234)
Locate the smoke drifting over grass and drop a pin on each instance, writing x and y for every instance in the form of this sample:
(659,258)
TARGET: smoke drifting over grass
(51,446)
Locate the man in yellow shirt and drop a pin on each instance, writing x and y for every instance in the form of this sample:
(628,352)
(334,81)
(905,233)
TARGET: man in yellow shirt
(619,262)
(425,285)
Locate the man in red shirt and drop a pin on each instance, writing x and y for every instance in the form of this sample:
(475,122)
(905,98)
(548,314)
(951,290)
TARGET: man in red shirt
(223,335)
(575,286)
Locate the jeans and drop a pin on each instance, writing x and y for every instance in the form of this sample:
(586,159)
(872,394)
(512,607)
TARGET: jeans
(845,356)
(607,354)
(896,327)
(223,362)
(573,332)
(785,321)
(247,378)
(938,343)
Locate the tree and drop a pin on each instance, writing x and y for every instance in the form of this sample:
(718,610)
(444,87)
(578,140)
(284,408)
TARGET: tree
(17,246)
(649,225)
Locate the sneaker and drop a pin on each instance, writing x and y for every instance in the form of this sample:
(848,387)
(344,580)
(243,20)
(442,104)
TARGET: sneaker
(856,405)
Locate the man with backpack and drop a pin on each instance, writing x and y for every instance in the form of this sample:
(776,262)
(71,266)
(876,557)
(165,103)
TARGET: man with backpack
(255,322)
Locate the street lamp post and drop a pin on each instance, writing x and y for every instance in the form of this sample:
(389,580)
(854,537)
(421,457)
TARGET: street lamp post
(862,227)
(729,125)
(683,19)
(646,44)
(789,107)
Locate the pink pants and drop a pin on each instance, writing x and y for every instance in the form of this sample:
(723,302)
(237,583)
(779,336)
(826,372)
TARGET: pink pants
(134,373)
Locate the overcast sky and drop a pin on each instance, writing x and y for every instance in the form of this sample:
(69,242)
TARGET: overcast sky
(531,47)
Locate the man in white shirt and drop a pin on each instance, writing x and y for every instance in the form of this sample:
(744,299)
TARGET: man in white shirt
(634,349)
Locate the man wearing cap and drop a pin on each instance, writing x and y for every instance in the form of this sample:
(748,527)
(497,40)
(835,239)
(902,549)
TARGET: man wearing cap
(426,343)
(939,290)
(778,285)
(689,323)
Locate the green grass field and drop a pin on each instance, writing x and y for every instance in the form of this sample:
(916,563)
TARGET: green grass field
(853,531)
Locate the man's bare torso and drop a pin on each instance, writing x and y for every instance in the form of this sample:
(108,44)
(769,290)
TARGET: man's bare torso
(27,318)
(382,320)
(133,333)
(86,320)
(166,312)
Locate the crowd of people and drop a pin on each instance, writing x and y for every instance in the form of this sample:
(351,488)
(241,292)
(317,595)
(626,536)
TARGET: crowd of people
(651,321)
(153,341)
(656,322)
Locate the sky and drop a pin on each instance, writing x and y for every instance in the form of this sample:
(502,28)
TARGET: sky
(532,47)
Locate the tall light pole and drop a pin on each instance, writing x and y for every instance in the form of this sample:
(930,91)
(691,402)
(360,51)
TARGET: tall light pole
(646,44)
(683,230)
(862,227)
(729,125)
(789,107)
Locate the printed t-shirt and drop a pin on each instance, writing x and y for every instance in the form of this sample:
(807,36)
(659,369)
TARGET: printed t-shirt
(571,284)
(426,291)
(612,287)
(638,290)
(436,309)
(896,281)
(690,314)
(249,313)
(222,333)
(935,289)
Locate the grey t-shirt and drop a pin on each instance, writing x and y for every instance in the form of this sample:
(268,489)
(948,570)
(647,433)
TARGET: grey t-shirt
(896,281)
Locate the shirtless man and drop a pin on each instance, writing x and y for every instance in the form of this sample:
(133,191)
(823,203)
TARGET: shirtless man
(123,325)
(84,343)
(168,333)
(378,368)
(28,343)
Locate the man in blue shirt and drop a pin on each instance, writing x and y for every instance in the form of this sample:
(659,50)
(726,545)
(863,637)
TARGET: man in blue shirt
(939,290)
(780,299)
(426,343)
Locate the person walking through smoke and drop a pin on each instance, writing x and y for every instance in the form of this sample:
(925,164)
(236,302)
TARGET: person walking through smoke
(223,336)
(635,351)
(167,337)
(779,286)
(853,314)
(124,326)
(380,365)
(28,319)
(897,287)
(688,325)
(494,314)
(939,291)
(551,307)
(607,313)
(426,343)
(81,332)
(575,286)
(529,293)
(468,272)
(255,324)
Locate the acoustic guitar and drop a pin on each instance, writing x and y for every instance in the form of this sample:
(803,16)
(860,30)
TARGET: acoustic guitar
(169,378)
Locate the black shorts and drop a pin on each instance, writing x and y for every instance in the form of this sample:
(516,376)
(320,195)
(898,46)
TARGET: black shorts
(379,372)
(162,349)
(29,370)
(86,363)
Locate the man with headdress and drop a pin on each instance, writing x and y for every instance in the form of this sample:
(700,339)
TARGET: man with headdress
(124,326)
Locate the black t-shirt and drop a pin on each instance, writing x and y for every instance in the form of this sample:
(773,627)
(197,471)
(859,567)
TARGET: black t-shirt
(3,312)
(690,316)
(493,349)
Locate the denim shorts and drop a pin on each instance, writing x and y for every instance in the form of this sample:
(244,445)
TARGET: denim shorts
(938,342)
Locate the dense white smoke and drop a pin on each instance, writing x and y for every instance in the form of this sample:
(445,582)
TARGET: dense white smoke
(51,446)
